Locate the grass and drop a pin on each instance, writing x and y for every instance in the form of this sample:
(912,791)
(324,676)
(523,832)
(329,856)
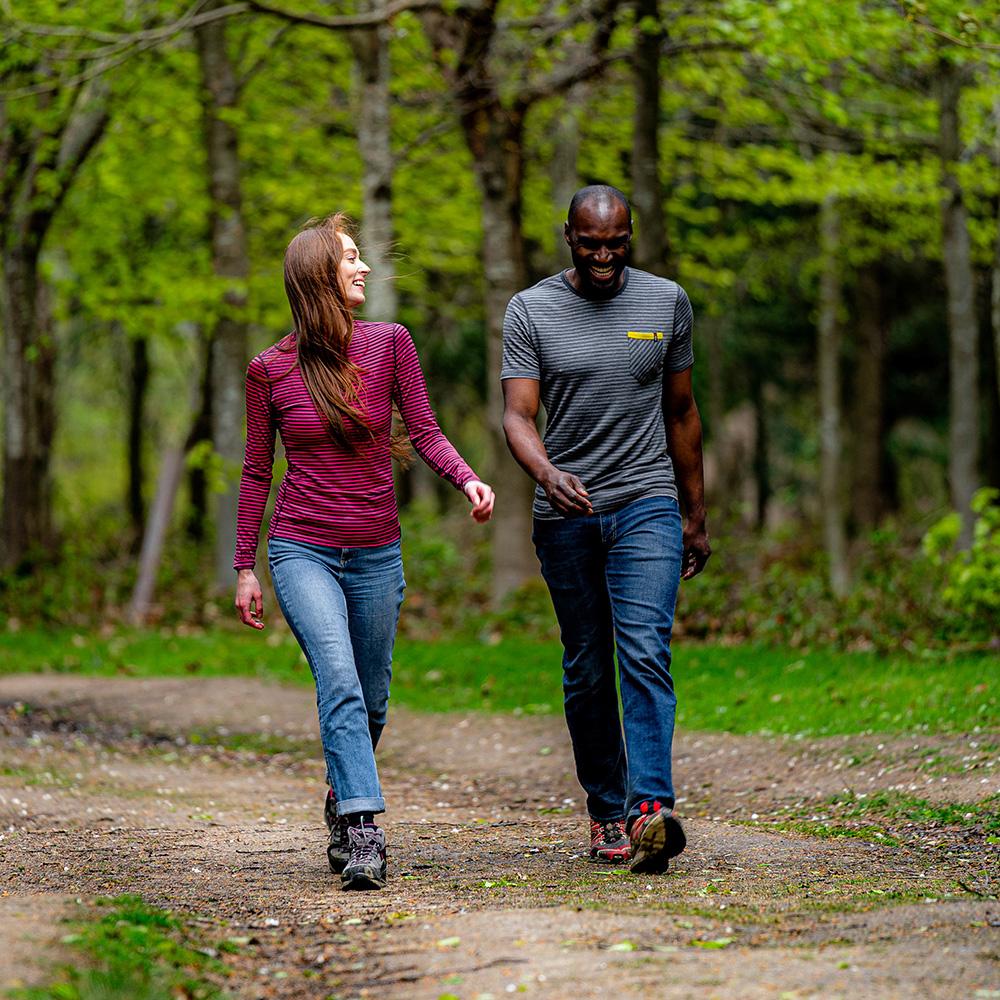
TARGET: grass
(132,951)
(740,689)
(885,817)
(899,807)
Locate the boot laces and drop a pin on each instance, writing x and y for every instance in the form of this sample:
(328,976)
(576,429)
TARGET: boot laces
(365,847)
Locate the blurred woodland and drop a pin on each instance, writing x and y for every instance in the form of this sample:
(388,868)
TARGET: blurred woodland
(822,178)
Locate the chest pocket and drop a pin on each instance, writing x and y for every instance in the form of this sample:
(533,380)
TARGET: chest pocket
(645,354)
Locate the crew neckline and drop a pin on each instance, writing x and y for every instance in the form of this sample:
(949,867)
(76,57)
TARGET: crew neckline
(588,298)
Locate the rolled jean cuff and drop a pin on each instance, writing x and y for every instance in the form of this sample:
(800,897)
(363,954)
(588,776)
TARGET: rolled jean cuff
(360,806)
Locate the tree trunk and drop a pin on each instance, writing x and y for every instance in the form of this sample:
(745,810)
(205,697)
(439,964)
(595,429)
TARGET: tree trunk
(137,389)
(564,165)
(201,430)
(494,137)
(995,291)
(761,466)
(371,54)
(220,95)
(868,492)
(829,395)
(29,409)
(963,339)
(649,249)
(155,535)
(462,39)
(41,152)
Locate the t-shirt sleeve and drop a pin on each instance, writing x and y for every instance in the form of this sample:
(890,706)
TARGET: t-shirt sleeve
(680,353)
(520,355)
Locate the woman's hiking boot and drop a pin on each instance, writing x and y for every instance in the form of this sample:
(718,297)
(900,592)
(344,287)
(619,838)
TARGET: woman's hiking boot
(338,850)
(366,865)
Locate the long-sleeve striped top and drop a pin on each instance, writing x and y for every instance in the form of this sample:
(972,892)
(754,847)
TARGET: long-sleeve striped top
(330,496)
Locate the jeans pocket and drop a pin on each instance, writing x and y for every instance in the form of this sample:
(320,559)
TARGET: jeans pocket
(645,355)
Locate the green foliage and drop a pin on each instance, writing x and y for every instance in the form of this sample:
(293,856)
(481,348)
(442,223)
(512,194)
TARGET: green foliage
(133,952)
(775,106)
(972,577)
(776,590)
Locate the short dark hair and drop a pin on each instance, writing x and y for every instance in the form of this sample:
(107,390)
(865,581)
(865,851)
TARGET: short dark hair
(602,193)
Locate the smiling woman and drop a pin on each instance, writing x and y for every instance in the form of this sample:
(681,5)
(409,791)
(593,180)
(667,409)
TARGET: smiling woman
(334,542)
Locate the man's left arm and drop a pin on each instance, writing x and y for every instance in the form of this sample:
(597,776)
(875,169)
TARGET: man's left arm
(683,426)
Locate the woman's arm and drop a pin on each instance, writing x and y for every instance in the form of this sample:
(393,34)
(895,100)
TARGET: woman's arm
(410,395)
(255,485)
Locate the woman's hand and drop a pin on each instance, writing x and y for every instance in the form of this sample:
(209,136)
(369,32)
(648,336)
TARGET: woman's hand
(481,497)
(249,600)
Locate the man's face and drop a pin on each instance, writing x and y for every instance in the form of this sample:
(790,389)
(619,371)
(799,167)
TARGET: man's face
(599,237)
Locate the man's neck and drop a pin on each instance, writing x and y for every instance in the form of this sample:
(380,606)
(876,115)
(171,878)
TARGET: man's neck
(588,291)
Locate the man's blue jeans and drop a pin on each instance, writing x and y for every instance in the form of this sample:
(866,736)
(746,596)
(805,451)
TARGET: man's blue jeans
(613,580)
(343,607)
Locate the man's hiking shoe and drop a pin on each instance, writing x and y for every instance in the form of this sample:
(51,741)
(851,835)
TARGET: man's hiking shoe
(609,841)
(338,851)
(366,867)
(656,837)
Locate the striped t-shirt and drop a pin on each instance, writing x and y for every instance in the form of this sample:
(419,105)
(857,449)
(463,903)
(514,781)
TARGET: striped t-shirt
(330,496)
(600,365)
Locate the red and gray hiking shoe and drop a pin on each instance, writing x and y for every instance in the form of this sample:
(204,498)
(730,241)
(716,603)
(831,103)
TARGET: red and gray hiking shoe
(366,867)
(338,851)
(609,841)
(656,837)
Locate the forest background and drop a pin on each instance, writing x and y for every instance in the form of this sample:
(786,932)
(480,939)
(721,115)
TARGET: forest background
(822,178)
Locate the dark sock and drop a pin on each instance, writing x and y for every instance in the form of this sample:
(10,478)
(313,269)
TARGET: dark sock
(359,819)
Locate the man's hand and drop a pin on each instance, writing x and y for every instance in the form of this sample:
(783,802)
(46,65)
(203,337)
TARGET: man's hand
(481,497)
(696,549)
(249,600)
(565,492)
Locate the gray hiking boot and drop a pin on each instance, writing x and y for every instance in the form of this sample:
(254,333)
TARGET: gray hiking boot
(366,867)
(338,851)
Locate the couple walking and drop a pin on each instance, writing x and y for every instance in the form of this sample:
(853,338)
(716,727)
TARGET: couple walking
(607,350)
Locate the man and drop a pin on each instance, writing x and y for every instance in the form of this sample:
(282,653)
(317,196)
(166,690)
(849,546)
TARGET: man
(607,350)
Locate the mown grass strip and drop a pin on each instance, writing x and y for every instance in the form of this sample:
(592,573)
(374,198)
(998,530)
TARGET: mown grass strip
(741,689)
(887,818)
(132,951)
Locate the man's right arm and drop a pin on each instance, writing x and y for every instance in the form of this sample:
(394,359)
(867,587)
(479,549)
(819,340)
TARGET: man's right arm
(520,412)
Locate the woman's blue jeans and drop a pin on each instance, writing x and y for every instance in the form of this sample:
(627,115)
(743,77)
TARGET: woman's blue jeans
(342,604)
(613,580)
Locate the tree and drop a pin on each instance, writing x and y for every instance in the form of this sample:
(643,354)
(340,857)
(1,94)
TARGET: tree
(52,115)
(494,81)
(831,476)
(650,248)
(228,338)
(963,424)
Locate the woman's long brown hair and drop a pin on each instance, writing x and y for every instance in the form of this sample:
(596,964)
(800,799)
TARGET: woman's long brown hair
(323,330)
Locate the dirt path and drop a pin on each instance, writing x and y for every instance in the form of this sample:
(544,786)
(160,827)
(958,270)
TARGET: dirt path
(206,796)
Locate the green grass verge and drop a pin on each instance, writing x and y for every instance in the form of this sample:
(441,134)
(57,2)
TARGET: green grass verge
(132,951)
(740,689)
(887,817)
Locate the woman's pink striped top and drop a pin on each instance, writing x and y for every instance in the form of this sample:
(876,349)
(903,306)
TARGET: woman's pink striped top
(330,496)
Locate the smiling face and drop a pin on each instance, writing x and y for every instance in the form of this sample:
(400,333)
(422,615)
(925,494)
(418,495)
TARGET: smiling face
(352,272)
(599,235)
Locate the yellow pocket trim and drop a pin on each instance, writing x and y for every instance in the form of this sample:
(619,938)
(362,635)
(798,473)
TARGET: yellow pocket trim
(645,335)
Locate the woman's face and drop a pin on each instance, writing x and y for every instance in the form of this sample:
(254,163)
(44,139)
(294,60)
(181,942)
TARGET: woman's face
(352,272)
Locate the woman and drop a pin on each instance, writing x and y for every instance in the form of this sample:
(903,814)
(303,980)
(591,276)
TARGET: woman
(333,542)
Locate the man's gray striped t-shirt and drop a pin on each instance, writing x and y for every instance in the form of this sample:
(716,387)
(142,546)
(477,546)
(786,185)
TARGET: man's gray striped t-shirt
(600,365)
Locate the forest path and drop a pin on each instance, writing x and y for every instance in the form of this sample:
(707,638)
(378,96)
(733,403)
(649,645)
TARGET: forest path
(206,796)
